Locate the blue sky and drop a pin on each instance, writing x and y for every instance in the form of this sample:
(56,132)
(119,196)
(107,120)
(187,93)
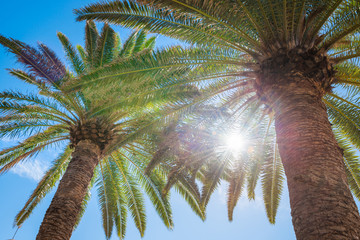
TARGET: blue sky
(39,20)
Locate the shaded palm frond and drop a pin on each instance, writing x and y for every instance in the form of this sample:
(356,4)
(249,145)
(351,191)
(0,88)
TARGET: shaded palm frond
(41,62)
(352,163)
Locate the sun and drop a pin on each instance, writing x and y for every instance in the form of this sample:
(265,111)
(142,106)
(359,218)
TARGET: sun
(235,142)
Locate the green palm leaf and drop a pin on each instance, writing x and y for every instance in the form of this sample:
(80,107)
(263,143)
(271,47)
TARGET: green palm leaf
(272,181)
(105,47)
(73,57)
(134,196)
(351,160)
(45,185)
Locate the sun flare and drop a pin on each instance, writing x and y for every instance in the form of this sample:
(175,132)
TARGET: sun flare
(235,142)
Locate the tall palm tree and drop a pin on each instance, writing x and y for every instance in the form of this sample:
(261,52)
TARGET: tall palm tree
(101,146)
(294,59)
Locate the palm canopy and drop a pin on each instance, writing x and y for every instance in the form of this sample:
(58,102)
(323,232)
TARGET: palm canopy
(208,148)
(241,51)
(55,116)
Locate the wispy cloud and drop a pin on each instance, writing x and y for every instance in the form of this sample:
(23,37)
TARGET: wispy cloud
(33,169)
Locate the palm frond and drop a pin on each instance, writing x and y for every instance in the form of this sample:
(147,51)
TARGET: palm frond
(344,117)
(352,163)
(236,183)
(344,22)
(152,184)
(45,185)
(140,42)
(212,178)
(105,47)
(117,200)
(9,157)
(91,38)
(191,195)
(129,45)
(72,55)
(134,196)
(256,165)
(153,64)
(169,23)
(272,183)
(104,196)
(42,63)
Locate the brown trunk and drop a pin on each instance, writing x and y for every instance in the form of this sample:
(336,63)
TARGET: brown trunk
(61,216)
(322,206)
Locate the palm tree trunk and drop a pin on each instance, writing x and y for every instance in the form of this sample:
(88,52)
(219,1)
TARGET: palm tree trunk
(61,216)
(322,206)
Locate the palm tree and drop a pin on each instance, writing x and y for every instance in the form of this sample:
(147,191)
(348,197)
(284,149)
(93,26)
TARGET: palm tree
(296,60)
(106,147)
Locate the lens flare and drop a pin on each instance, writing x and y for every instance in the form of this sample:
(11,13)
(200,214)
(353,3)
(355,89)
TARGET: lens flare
(235,142)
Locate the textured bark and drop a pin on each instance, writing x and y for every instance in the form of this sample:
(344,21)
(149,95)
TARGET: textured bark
(322,206)
(61,216)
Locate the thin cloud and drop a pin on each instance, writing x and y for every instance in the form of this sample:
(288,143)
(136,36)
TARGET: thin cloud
(33,169)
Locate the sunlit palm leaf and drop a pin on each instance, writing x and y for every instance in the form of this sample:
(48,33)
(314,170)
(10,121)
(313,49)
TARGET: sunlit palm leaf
(272,182)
